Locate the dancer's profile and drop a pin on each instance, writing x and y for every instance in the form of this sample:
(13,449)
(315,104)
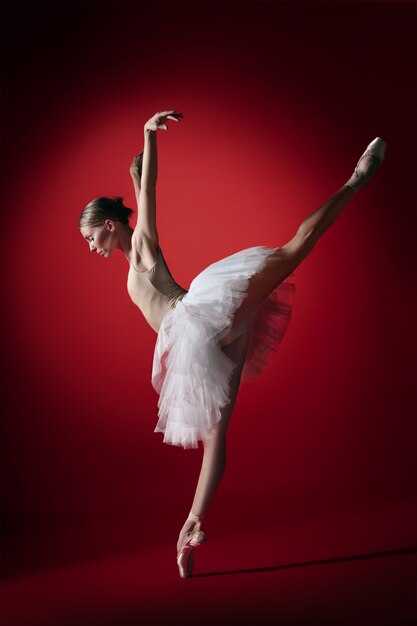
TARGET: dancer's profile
(220,331)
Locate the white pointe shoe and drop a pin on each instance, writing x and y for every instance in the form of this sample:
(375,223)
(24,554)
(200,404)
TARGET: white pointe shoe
(185,557)
(360,177)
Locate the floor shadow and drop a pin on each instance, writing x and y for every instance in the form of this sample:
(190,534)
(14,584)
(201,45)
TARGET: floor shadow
(340,559)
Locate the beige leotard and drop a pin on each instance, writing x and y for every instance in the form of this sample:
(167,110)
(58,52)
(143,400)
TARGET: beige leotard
(154,291)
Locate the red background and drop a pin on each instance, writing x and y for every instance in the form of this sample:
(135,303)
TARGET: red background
(279,102)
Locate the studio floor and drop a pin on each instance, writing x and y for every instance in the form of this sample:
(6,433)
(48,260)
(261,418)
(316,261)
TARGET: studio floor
(337,570)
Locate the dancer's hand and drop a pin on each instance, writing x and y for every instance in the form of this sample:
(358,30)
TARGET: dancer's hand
(157,122)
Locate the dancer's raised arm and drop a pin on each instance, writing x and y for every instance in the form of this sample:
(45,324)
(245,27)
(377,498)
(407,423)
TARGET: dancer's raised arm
(145,183)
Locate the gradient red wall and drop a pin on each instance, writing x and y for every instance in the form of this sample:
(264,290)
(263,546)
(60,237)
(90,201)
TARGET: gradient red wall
(279,102)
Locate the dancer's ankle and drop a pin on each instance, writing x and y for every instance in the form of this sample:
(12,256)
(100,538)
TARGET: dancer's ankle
(194,517)
(355,182)
(349,187)
(193,522)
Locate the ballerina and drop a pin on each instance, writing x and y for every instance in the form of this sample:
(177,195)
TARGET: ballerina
(220,332)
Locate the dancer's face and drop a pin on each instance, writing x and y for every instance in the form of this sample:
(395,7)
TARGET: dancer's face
(101,239)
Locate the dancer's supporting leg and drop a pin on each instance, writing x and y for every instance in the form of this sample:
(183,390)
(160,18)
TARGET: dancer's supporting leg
(214,457)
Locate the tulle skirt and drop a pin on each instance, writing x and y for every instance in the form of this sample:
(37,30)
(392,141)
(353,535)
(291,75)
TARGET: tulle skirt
(191,373)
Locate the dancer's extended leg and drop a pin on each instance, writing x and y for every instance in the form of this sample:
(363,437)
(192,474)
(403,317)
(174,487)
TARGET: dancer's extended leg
(214,458)
(286,258)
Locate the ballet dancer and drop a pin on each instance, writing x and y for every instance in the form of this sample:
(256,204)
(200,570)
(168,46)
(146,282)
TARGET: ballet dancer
(219,332)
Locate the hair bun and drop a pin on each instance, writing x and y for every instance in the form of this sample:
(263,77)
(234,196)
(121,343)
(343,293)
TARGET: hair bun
(100,209)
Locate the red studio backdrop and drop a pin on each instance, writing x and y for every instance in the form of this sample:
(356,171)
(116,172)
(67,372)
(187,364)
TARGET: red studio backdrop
(279,102)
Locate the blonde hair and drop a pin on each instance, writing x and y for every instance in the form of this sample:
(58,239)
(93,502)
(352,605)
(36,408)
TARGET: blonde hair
(101,209)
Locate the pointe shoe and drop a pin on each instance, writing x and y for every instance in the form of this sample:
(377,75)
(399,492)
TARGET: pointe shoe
(376,149)
(185,557)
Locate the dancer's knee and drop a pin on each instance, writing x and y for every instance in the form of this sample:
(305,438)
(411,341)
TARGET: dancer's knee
(289,256)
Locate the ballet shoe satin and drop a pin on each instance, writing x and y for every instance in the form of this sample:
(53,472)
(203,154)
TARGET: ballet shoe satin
(185,557)
(375,149)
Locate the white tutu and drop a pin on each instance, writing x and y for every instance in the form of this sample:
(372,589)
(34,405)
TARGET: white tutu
(191,373)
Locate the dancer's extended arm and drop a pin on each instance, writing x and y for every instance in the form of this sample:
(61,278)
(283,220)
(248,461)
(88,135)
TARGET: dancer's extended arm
(145,185)
(145,188)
